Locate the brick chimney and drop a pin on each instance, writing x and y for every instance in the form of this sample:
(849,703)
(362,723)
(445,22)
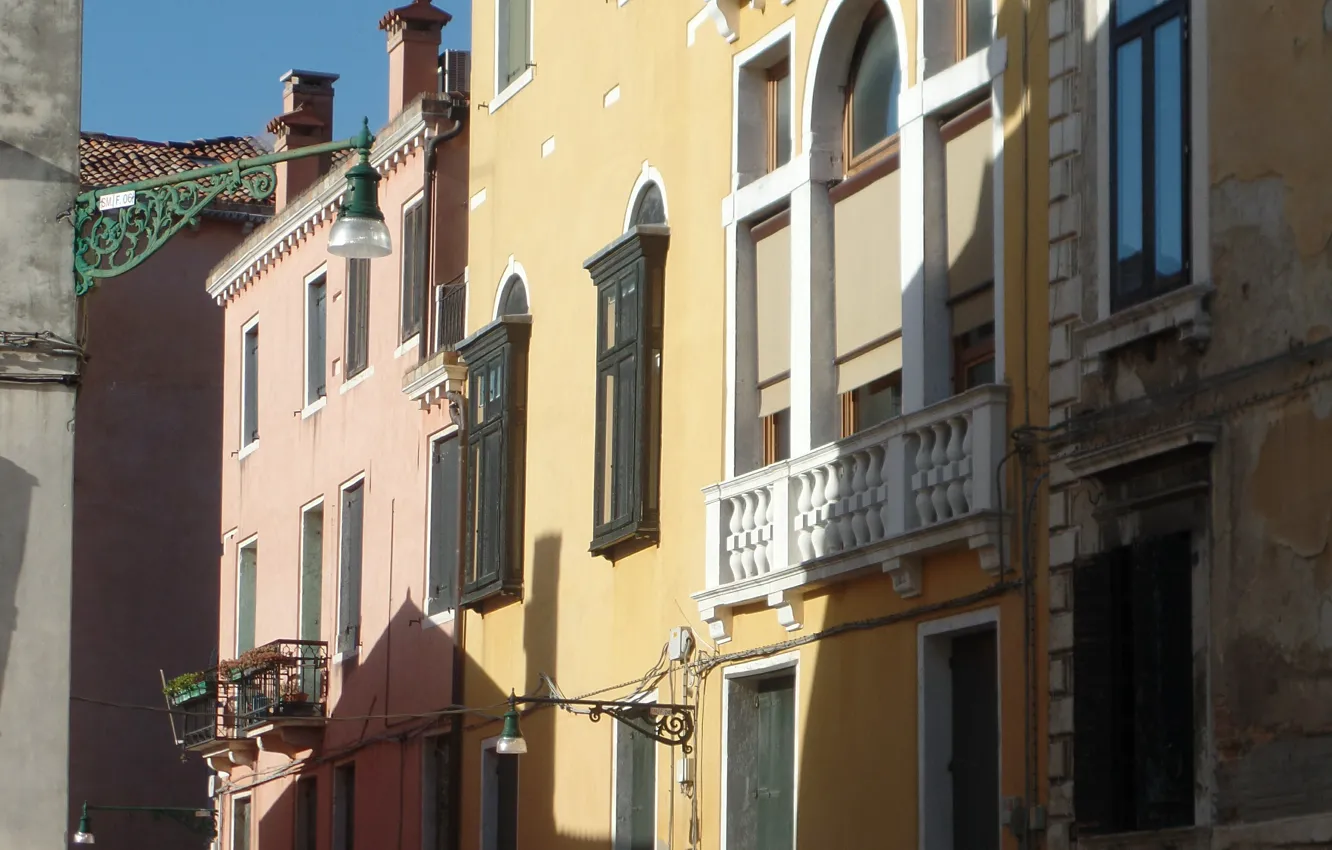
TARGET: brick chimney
(306,119)
(413,48)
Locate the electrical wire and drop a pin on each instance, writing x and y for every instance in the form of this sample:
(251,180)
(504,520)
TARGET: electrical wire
(424,715)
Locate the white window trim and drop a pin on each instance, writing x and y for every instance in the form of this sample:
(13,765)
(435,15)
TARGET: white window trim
(412,342)
(246,448)
(954,625)
(757,669)
(252,540)
(763,54)
(488,745)
(512,269)
(650,698)
(311,279)
(503,96)
(359,478)
(446,616)
(361,376)
(647,176)
(317,502)
(231,832)
(1097,27)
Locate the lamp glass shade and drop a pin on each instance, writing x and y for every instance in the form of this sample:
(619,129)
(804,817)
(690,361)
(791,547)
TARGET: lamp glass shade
(357,238)
(82,837)
(511,742)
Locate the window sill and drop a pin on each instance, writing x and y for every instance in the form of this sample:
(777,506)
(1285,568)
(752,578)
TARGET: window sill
(439,620)
(1185,309)
(617,543)
(246,451)
(407,346)
(1183,837)
(510,90)
(349,384)
(477,597)
(314,407)
(344,657)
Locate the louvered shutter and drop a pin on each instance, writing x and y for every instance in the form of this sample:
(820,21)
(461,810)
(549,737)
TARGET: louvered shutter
(444,486)
(349,621)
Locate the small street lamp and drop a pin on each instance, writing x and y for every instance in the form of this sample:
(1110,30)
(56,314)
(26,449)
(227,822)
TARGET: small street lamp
(118,227)
(196,820)
(666,723)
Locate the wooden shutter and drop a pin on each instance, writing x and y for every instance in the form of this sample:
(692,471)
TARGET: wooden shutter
(643,796)
(413,269)
(312,573)
(307,814)
(316,345)
(1102,697)
(246,596)
(776,764)
(250,400)
(349,588)
(1163,681)
(444,488)
(358,316)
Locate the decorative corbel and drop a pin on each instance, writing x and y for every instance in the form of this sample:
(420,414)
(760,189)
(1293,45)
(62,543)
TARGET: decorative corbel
(790,608)
(718,619)
(905,572)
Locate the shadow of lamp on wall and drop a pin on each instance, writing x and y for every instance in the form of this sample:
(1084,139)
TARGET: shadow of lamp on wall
(118,227)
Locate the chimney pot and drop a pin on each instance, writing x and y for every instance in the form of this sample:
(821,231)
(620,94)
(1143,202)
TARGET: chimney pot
(306,119)
(413,33)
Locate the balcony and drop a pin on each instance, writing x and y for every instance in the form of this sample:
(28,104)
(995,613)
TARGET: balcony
(200,710)
(440,375)
(450,315)
(281,693)
(878,500)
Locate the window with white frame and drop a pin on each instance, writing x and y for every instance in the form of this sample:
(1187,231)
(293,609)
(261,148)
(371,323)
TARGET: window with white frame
(349,567)
(959,732)
(1149,171)
(250,383)
(499,799)
(874,86)
(247,589)
(316,337)
(760,761)
(764,106)
(513,41)
(240,823)
(635,802)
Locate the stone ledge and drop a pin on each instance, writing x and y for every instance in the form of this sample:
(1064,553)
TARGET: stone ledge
(1184,309)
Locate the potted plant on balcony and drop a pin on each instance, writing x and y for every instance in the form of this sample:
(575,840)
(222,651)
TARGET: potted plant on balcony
(252,659)
(185,687)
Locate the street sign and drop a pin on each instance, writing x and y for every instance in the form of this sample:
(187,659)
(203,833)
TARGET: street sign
(115,201)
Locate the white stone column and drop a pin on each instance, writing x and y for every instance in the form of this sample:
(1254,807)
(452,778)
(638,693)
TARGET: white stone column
(744,434)
(926,346)
(814,408)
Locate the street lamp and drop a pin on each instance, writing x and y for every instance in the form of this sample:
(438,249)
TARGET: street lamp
(195,820)
(118,227)
(666,723)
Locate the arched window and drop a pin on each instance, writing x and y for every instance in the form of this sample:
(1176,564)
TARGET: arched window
(651,208)
(514,302)
(875,84)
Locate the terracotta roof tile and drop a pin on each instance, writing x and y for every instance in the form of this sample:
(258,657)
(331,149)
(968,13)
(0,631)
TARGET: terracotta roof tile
(114,160)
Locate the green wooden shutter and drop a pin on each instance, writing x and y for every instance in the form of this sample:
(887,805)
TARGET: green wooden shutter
(643,796)
(358,316)
(316,347)
(250,398)
(776,764)
(444,486)
(1163,681)
(349,590)
(1102,697)
(247,580)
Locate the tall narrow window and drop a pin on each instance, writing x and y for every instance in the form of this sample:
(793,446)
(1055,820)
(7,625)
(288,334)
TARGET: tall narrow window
(312,590)
(413,269)
(629,275)
(445,487)
(635,789)
(357,354)
(247,588)
(1133,697)
(871,404)
(513,40)
(240,823)
(435,794)
(349,578)
(307,814)
(876,83)
(316,345)
(760,748)
(250,385)
(973,358)
(778,101)
(1149,161)
(499,801)
(344,807)
(974,33)
(496,359)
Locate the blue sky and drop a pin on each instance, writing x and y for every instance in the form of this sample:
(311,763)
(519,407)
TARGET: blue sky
(175,70)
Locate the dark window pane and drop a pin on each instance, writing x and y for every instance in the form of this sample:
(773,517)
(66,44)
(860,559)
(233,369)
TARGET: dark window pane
(979,374)
(877,402)
(515,298)
(1128,165)
(1169,131)
(629,305)
(875,90)
(978,25)
(609,317)
(651,208)
(782,118)
(781,425)
(626,410)
(607,506)
(1127,10)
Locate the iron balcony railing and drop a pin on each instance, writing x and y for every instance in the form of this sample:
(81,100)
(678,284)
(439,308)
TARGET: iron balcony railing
(450,302)
(282,679)
(200,712)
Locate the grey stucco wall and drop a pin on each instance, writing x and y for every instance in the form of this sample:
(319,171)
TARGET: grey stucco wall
(40,45)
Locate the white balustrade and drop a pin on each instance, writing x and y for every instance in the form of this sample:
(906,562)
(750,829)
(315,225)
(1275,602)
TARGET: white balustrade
(915,471)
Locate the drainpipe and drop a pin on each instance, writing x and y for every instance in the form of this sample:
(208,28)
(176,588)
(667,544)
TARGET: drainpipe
(430,147)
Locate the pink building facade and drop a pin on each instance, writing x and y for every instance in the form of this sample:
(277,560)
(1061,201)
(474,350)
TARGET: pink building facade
(327,722)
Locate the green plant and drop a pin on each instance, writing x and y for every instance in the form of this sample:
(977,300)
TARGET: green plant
(252,658)
(182,683)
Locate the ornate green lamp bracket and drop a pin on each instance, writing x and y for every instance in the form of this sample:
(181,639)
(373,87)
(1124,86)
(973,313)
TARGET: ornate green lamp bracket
(665,723)
(118,227)
(200,821)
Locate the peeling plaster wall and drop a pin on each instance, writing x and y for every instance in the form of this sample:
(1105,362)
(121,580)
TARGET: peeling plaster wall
(1264,728)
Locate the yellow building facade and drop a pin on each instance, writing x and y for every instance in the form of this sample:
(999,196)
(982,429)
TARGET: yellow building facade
(752,316)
